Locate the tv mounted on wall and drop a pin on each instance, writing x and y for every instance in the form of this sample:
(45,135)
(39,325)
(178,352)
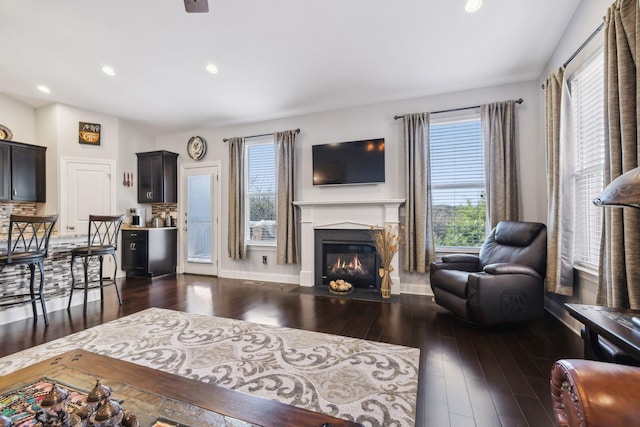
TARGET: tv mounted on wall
(353,162)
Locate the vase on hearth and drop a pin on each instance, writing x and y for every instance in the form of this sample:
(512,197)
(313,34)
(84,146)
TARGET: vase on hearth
(385,285)
(387,241)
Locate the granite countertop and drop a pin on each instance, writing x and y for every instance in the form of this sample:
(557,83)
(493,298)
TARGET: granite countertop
(129,227)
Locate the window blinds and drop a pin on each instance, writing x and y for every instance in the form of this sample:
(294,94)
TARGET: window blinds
(457,180)
(587,100)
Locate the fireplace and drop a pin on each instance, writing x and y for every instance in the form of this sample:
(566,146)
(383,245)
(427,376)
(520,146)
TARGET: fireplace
(346,254)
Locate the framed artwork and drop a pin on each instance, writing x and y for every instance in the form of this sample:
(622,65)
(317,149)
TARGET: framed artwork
(89,133)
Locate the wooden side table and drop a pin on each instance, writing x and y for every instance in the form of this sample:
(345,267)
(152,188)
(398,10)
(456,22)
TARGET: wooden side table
(613,324)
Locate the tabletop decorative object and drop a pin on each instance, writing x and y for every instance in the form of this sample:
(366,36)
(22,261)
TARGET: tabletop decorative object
(340,287)
(47,404)
(387,242)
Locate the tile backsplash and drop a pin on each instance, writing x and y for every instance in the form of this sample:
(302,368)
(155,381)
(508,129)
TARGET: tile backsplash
(17,208)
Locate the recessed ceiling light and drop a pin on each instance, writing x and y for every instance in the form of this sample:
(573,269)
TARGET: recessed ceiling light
(44,89)
(471,6)
(109,71)
(212,68)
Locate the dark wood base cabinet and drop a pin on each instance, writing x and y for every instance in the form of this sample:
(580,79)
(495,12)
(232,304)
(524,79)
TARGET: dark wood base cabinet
(149,252)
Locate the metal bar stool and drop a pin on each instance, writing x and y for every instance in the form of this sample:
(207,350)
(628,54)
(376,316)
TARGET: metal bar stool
(102,240)
(28,243)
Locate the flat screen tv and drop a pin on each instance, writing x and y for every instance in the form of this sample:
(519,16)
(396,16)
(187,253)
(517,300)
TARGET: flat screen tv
(354,162)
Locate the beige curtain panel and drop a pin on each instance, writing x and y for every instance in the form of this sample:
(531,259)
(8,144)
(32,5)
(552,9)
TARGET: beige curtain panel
(236,235)
(286,237)
(418,248)
(560,184)
(619,278)
(501,165)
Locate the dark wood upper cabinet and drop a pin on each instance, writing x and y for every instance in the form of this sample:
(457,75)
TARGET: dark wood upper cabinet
(157,177)
(23,176)
(5,176)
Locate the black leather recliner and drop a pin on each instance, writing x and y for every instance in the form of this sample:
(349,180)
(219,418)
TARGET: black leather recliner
(504,283)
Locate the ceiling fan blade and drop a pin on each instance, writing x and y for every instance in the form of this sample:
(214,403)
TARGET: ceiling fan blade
(196,6)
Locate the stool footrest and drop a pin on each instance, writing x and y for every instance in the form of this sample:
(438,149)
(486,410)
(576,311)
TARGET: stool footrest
(25,298)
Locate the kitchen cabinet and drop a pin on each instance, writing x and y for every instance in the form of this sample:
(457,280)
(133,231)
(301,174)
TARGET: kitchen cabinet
(23,175)
(157,177)
(149,252)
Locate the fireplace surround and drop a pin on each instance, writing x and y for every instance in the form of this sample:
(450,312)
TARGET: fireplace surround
(342,215)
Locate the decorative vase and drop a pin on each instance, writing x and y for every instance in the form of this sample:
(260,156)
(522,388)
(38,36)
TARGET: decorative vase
(385,287)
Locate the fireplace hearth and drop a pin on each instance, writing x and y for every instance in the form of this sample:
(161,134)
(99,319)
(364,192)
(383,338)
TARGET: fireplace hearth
(346,254)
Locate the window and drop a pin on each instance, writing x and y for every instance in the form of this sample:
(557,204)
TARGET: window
(587,103)
(260,187)
(457,181)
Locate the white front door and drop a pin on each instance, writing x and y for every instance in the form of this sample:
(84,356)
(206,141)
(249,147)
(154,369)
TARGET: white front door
(199,218)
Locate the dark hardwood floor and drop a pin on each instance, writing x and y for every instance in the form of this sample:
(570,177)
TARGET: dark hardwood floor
(469,375)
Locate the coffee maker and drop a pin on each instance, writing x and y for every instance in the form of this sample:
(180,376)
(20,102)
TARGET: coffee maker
(138,217)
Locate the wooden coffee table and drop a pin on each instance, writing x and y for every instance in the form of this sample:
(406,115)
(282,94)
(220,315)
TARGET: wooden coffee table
(154,394)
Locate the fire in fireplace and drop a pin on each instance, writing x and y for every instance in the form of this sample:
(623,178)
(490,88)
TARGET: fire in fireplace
(349,255)
(348,268)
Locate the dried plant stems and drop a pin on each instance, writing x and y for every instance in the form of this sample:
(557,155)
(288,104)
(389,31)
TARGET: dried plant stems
(387,242)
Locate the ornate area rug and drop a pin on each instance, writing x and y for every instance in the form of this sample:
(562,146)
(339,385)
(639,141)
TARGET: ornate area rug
(364,381)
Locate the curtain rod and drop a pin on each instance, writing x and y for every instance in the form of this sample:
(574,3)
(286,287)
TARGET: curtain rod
(262,134)
(582,46)
(518,101)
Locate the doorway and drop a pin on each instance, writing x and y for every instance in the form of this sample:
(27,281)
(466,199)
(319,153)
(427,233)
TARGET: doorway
(200,207)
(87,187)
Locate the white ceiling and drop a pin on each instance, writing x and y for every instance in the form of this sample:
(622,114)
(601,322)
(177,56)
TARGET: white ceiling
(276,58)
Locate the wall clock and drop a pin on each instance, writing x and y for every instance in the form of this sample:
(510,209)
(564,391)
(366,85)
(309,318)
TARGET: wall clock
(196,147)
(5,133)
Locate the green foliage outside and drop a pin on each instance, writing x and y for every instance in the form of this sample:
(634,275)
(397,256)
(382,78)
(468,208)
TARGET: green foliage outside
(460,225)
(262,207)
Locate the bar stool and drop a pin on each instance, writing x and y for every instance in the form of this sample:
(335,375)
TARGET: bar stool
(28,243)
(102,240)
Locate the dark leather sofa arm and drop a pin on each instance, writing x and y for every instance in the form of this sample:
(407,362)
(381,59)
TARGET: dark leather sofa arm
(462,262)
(595,394)
(451,258)
(507,268)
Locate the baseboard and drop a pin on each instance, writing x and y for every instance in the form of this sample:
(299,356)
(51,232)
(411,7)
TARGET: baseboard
(261,276)
(559,312)
(24,311)
(416,289)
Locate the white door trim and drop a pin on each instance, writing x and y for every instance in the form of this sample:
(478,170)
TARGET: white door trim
(183,206)
(63,196)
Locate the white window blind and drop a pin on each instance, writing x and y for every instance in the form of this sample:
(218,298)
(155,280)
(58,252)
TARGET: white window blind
(587,101)
(260,182)
(457,181)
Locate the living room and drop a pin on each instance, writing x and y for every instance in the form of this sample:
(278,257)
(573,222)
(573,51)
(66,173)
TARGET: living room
(54,125)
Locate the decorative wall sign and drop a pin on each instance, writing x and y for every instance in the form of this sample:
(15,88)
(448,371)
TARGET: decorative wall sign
(89,133)
(5,133)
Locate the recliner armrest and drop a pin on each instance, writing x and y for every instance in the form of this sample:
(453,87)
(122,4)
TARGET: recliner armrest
(461,262)
(460,258)
(507,268)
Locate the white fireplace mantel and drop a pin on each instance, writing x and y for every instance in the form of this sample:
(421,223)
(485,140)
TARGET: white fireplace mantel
(356,214)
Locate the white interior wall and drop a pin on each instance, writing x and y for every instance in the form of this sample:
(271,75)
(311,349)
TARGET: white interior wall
(371,121)
(19,118)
